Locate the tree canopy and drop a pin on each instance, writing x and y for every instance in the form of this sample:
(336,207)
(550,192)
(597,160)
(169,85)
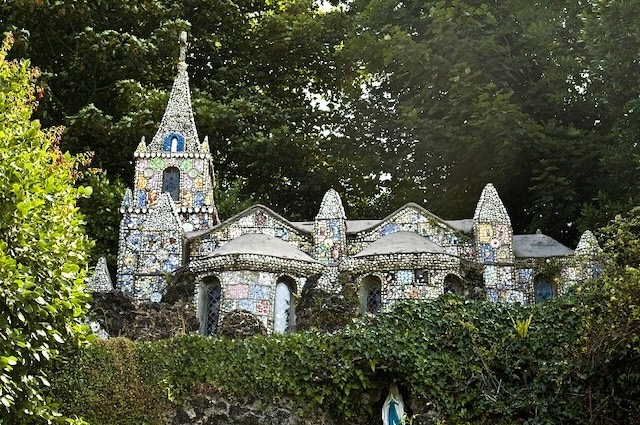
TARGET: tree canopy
(423,101)
(527,95)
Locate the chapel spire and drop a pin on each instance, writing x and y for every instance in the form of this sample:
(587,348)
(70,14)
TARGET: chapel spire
(177,131)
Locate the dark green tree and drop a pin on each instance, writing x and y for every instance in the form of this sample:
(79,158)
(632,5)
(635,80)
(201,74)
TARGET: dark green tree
(455,94)
(253,65)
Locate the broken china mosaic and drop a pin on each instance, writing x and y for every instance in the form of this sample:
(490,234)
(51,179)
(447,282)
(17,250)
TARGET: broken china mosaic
(171,209)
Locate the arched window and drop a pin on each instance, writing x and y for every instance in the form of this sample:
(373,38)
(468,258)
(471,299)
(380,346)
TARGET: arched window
(543,289)
(284,314)
(212,295)
(174,142)
(371,295)
(452,285)
(171,182)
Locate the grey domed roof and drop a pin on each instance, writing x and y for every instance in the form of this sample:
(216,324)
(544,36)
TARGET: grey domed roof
(538,246)
(401,243)
(260,244)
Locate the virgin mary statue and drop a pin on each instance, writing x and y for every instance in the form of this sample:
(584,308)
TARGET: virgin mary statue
(393,408)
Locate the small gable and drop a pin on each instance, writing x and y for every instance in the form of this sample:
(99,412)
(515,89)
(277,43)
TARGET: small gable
(257,219)
(410,218)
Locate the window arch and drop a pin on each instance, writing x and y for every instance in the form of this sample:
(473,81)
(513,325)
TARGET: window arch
(171,182)
(371,294)
(543,289)
(284,312)
(173,142)
(211,300)
(453,285)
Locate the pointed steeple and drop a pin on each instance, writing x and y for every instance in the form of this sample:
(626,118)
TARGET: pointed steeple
(490,208)
(331,206)
(587,245)
(100,281)
(177,131)
(330,230)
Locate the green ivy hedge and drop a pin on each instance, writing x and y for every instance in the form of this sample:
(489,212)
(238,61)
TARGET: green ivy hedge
(574,359)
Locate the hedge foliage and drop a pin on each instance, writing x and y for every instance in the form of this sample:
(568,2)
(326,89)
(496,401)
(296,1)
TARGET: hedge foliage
(573,359)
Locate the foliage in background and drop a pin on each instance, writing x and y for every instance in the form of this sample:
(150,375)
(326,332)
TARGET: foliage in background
(470,361)
(421,100)
(43,248)
(102,219)
(535,98)
(620,239)
(109,68)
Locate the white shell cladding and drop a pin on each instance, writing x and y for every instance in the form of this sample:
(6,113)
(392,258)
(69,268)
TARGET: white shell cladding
(178,117)
(412,252)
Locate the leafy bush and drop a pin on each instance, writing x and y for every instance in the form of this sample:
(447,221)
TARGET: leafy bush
(570,360)
(42,247)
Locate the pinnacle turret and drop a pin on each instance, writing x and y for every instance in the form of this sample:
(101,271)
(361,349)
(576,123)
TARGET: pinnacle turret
(177,131)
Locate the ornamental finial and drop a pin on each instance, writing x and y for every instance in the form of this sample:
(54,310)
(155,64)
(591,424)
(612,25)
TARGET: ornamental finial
(183,46)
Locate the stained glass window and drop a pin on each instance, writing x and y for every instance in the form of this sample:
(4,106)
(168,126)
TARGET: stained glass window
(213,308)
(371,295)
(213,297)
(543,290)
(171,182)
(283,311)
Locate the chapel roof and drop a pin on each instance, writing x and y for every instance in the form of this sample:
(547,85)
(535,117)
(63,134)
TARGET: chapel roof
(538,246)
(303,227)
(257,251)
(260,244)
(401,243)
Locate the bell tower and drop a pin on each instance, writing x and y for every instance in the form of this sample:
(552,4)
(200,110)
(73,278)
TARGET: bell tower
(176,161)
(172,194)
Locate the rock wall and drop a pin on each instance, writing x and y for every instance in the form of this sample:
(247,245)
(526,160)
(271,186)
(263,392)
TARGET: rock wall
(209,407)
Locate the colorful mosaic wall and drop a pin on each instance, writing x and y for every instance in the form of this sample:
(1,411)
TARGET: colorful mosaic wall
(150,246)
(195,199)
(414,218)
(423,284)
(493,236)
(258,219)
(330,230)
(330,239)
(253,291)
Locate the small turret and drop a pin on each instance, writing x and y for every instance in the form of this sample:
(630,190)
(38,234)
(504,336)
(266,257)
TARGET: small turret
(588,256)
(494,246)
(330,229)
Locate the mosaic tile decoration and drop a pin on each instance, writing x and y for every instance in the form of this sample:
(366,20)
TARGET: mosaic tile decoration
(100,280)
(253,291)
(414,218)
(178,116)
(257,219)
(150,246)
(171,207)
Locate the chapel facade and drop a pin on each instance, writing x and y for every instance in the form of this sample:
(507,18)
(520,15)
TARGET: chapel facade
(258,261)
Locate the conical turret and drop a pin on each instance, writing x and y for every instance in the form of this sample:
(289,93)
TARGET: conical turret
(330,229)
(494,246)
(177,131)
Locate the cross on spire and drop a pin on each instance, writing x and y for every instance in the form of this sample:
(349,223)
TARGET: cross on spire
(183,46)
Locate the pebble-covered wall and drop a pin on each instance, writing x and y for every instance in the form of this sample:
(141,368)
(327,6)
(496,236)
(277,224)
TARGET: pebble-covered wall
(151,246)
(170,221)
(257,219)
